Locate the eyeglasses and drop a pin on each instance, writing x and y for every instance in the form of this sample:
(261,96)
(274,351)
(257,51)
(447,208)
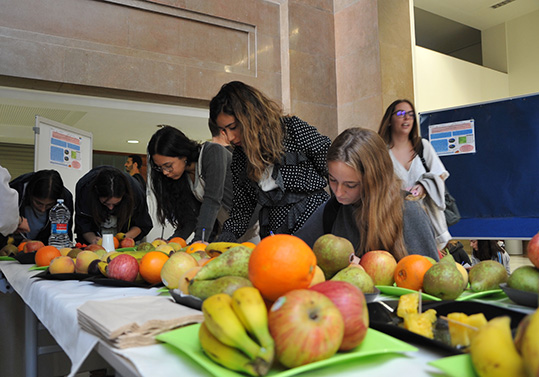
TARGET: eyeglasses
(402,113)
(168,167)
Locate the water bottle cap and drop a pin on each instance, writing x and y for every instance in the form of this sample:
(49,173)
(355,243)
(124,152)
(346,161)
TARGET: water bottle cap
(60,200)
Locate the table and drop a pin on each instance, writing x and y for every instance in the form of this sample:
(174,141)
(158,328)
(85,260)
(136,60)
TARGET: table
(55,303)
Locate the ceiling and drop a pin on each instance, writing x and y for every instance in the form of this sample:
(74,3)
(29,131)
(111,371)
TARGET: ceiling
(114,122)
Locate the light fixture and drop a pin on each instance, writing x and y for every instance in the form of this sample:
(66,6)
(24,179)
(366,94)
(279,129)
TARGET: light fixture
(132,141)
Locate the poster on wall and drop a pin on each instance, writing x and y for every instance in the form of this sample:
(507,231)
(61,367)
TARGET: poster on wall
(65,148)
(453,138)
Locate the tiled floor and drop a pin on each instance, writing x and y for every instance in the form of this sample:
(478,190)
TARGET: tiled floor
(519,260)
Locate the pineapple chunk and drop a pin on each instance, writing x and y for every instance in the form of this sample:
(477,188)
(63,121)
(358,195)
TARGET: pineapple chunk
(462,335)
(408,304)
(421,323)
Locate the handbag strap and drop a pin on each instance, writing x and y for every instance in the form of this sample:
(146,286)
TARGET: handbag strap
(420,154)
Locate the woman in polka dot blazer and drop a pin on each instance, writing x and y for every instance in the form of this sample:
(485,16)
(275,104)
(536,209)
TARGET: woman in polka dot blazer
(278,162)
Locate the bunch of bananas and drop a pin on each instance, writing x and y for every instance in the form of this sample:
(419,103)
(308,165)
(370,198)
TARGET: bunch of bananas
(235,331)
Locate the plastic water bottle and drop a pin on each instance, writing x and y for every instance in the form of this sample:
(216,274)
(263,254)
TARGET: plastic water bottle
(59,216)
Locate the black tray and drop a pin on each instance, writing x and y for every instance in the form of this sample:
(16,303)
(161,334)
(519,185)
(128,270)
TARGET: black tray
(25,258)
(520,297)
(186,300)
(72,276)
(109,282)
(382,319)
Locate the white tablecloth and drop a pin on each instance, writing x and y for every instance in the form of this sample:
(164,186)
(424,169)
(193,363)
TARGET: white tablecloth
(55,304)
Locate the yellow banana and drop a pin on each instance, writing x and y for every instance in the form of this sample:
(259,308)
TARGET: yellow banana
(215,249)
(493,351)
(102,265)
(227,356)
(250,308)
(226,326)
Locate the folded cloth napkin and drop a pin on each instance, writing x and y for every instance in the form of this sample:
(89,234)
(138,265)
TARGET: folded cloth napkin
(134,321)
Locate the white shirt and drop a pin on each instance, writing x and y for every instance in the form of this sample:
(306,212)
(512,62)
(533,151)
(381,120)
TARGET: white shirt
(9,204)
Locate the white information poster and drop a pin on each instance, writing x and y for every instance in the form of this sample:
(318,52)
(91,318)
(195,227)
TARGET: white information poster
(65,148)
(453,138)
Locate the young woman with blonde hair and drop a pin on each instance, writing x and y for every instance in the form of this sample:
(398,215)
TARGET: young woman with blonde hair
(278,162)
(368,206)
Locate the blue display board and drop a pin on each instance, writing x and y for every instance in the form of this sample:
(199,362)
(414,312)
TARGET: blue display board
(496,186)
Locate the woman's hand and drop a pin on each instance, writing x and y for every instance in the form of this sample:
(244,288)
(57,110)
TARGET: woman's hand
(418,190)
(23,226)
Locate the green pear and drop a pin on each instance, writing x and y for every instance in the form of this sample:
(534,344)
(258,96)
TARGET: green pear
(524,278)
(226,284)
(444,280)
(332,254)
(487,275)
(234,262)
(357,276)
(145,246)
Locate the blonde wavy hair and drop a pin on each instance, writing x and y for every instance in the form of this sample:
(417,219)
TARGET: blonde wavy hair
(379,211)
(259,119)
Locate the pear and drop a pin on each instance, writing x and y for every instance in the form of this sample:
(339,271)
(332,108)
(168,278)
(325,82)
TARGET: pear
(145,246)
(226,284)
(332,253)
(487,275)
(9,250)
(356,276)
(525,278)
(235,262)
(444,280)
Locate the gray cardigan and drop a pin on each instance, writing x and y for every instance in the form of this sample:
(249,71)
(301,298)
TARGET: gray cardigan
(418,233)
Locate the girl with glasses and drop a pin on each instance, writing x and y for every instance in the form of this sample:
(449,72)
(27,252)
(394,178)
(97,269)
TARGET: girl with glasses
(108,200)
(278,162)
(38,193)
(192,183)
(400,131)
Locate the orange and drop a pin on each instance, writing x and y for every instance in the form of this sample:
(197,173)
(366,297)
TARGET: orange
(45,254)
(281,263)
(151,265)
(116,243)
(249,244)
(180,241)
(410,271)
(21,246)
(195,247)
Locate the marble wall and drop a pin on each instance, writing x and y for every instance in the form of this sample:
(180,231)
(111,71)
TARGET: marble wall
(331,62)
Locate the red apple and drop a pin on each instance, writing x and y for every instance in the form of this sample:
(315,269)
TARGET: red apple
(127,242)
(306,327)
(123,267)
(533,250)
(351,302)
(31,246)
(380,265)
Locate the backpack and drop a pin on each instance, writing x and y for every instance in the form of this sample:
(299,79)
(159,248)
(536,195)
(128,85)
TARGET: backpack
(451,212)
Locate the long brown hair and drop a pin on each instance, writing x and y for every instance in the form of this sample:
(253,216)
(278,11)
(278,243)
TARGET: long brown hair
(379,211)
(385,127)
(259,119)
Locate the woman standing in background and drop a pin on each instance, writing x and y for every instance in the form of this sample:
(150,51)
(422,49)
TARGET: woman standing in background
(278,162)
(400,131)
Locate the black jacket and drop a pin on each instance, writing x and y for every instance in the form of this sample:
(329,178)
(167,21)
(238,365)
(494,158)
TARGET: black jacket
(83,219)
(20,184)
